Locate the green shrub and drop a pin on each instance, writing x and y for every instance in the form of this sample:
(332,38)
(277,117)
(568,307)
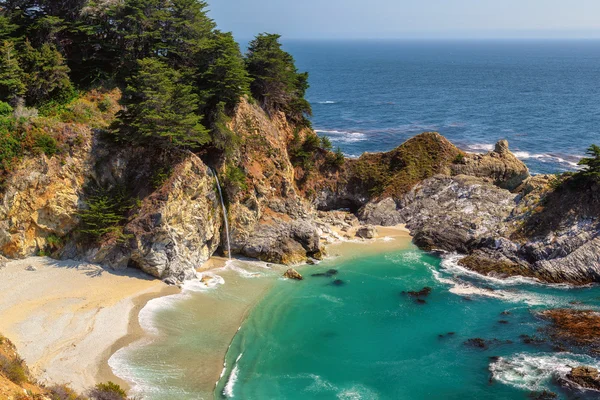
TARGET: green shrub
(107,391)
(326,143)
(5,109)
(46,144)
(337,159)
(459,159)
(105,104)
(106,212)
(236,178)
(160,176)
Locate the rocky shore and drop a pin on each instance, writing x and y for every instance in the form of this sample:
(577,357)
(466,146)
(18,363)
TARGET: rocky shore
(485,206)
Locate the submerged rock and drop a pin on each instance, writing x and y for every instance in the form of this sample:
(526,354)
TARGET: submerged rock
(293,274)
(421,293)
(327,274)
(543,395)
(574,327)
(338,282)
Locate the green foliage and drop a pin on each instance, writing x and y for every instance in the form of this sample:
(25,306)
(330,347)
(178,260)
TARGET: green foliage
(105,213)
(107,391)
(326,143)
(54,241)
(46,74)
(63,392)
(5,109)
(223,138)
(46,144)
(12,84)
(459,159)
(160,176)
(161,108)
(235,178)
(337,159)
(591,164)
(223,78)
(277,84)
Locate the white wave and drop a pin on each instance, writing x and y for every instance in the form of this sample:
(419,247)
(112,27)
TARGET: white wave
(343,136)
(481,147)
(331,299)
(450,265)
(533,372)
(327,102)
(388,239)
(357,392)
(233,376)
(542,157)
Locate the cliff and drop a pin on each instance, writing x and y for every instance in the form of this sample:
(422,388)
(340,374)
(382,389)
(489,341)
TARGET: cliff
(280,202)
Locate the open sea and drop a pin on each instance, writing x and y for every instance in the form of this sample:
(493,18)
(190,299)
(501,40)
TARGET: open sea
(363,336)
(542,96)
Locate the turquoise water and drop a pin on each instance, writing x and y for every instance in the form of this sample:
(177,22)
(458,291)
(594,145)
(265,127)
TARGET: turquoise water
(365,339)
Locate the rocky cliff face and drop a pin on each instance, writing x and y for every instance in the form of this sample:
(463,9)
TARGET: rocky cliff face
(485,206)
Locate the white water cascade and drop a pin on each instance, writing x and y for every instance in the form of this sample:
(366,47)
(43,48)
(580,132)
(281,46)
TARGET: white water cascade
(224,214)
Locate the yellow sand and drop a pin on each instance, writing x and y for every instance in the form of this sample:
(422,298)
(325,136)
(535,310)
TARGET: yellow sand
(65,316)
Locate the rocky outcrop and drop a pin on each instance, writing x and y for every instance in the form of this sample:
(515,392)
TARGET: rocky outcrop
(450,213)
(269,218)
(293,274)
(585,377)
(570,327)
(501,166)
(42,196)
(367,232)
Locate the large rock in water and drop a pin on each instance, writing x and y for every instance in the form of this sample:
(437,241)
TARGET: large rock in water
(293,274)
(586,377)
(366,232)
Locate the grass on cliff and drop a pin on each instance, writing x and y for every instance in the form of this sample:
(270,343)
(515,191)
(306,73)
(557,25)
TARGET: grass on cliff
(396,172)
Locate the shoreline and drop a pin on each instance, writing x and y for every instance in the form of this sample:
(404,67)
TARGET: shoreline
(86,313)
(248,292)
(66,316)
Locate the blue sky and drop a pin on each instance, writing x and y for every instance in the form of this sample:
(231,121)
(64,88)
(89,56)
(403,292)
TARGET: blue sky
(329,19)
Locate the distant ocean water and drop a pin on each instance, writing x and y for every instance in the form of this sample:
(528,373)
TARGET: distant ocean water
(542,96)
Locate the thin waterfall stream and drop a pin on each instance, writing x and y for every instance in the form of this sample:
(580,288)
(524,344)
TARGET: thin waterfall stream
(224,214)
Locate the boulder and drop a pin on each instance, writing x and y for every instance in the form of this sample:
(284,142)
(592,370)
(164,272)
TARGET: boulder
(384,213)
(293,274)
(367,232)
(586,377)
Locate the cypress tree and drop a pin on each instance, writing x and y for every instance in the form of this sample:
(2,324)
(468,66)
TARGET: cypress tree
(11,74)
(161,108)
(47,74)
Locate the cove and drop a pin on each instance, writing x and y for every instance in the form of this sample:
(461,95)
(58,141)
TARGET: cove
(367,338)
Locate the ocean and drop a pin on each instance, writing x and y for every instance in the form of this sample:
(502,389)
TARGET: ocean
(364,337)
(542,96)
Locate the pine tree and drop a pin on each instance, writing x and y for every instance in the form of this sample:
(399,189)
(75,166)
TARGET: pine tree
(591,163)
(11,74)
(161,108)
(276,81)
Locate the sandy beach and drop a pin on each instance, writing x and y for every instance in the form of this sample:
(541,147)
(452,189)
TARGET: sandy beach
(66,317)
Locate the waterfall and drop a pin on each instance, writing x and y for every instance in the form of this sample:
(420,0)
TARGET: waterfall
(224,214)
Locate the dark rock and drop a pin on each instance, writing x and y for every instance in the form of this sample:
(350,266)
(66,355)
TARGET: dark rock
(505,313)
(338,282)
(421,293)
(327,274)
(527,339)
(476,342)
(293,274)
(574,327)
(584,377)
(446,335)
(503,321)
(544,395)
(420,301)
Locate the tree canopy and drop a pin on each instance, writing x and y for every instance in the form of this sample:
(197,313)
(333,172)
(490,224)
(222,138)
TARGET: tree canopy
(181,77)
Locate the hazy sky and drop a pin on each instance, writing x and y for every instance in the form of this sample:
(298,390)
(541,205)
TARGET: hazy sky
(409,18)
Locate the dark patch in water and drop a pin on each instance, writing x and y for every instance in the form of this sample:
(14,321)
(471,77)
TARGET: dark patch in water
(329,334)
(545,395)
(420,301)
(446,335)
(527,339)
(505,313)
(465,298)
(338,282)
(503,321)
(421,293)
(484,344)
(327,274)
